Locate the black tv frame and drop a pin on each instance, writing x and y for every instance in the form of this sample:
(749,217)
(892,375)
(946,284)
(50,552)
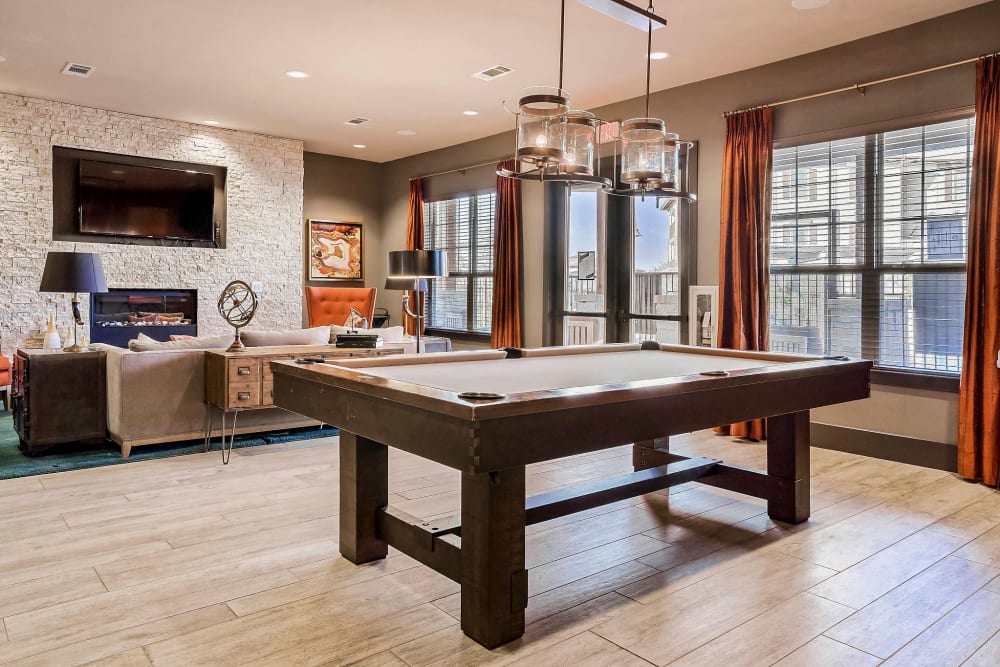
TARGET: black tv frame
(66,199)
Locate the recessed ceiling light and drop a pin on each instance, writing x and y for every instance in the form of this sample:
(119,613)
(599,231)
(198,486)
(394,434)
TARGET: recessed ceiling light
(809,4)
(210,122)
(405,133)
(296,74)
(471,113)
(359,145)
(3,59)
(659,55)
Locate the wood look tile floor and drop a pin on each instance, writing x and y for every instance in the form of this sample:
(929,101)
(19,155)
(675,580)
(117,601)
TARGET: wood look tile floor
(185,562)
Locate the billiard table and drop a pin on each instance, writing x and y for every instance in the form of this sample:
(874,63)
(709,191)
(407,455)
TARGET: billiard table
(490,413)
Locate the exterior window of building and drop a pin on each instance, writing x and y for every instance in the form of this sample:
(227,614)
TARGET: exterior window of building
(463,226)
(868,247)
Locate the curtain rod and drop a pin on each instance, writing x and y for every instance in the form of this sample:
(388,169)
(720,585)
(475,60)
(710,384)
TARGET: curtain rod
(861,87)
(461,169)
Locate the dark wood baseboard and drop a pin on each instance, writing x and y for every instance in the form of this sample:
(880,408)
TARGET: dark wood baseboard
(938,455)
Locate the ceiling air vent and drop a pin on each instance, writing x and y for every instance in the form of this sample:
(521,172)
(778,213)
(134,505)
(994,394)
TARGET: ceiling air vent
(357,120)
(76,69)
(493,72)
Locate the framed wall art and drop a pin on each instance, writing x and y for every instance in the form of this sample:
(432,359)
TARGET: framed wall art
(703,324)
(335,251)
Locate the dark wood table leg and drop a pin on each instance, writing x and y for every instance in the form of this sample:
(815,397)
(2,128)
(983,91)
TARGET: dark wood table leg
(788,464)
(364,488)
(494,581)
(639,449)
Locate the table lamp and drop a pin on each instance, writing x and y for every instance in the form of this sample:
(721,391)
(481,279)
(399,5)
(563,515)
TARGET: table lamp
(410,270)
(73,272)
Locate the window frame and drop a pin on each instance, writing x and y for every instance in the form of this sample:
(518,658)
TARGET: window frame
(871,268)
(468,334)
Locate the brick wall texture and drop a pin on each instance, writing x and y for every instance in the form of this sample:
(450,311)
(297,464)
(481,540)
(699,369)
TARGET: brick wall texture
(264,215)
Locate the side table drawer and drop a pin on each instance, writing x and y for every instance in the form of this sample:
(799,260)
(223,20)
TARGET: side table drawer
(244,370)
(244,395)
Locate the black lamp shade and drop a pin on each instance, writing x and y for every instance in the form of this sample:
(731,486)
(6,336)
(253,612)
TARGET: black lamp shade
(418,263)
(73,272)
(411,284)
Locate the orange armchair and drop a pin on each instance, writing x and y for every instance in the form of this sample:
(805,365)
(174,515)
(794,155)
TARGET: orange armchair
(5,381)
(332,305)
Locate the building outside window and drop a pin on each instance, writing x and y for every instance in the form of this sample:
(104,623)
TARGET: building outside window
(463,226)
(868,246)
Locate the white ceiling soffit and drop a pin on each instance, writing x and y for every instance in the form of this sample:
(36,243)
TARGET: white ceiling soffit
(405,65)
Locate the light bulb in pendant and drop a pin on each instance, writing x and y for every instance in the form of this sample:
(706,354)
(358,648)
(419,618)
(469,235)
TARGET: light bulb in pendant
(541,141)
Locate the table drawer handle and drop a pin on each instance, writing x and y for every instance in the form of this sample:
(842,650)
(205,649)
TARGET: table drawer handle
(243,396)
(243,370)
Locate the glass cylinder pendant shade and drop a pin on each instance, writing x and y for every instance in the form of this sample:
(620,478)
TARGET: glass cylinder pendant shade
(643,144)
(581,131)
(541,126)
(671,162)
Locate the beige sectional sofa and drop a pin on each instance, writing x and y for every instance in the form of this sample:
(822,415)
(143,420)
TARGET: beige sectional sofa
(156,391)
(159,396)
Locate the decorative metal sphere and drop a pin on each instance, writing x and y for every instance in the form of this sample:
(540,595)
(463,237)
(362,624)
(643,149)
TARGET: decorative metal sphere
(237,304)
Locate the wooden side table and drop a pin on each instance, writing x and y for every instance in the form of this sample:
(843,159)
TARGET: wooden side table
(238,381)
(59,397)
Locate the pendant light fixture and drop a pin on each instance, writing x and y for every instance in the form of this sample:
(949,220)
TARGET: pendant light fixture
(554,143)
(653,161)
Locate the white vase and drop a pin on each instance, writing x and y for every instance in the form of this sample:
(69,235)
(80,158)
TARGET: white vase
(51,340)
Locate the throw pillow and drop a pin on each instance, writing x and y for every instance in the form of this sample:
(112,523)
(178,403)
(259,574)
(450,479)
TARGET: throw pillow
(146,344)
(393,334)
(314,336)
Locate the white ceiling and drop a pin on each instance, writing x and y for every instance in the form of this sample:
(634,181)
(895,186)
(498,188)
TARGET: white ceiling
(406,64)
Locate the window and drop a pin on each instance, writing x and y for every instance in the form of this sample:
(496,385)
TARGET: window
(868,246)
(463,226)
(585,277)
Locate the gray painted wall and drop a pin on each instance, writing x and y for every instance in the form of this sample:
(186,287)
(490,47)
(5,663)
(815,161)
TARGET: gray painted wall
(343,189)
(696,112)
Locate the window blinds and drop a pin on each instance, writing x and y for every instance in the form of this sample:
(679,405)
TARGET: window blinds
(868,246)
(463,226)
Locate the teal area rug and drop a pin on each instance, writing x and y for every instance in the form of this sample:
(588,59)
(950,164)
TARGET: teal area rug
(13,463)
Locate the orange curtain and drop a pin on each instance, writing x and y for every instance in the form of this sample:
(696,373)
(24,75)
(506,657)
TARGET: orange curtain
(414,241)
(507,258)
(979,394)
(743,254)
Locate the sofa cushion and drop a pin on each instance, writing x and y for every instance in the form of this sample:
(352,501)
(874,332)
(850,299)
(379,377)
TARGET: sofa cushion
(146,344)
(393,334)
(314,336)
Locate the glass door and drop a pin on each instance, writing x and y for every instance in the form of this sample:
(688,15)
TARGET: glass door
(585,276)
(657,280)
(617,269)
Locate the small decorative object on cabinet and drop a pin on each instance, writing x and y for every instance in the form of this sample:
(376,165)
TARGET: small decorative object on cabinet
(58,398)
(51,339)
(237,305)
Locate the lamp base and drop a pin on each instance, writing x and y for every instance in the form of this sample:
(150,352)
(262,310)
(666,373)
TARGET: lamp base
(76,347)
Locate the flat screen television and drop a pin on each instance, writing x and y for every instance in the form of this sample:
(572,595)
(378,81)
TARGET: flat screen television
(151,202)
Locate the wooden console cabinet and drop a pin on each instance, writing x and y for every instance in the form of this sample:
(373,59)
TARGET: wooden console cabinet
(237,381)
(58,397)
